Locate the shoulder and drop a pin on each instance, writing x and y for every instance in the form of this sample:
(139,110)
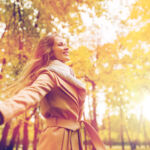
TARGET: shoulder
(45,72)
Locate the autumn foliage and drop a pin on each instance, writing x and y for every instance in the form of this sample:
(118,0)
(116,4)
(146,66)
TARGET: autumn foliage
(119,70)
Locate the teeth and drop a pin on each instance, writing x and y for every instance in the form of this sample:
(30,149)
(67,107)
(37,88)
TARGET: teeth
(66,53)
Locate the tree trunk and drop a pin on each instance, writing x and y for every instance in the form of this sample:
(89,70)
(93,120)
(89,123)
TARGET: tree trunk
(17,142)
(85,137)
(145,134)
(121,128)
(94,119)
(14,135)
(132,144)
(25,130)
(36,130)
(109,130)
(25,136)
(3,142)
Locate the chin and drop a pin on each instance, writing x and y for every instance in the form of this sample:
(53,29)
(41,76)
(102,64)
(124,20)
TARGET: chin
(65,60)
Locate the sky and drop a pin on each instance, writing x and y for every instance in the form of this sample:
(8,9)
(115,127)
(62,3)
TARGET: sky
(100,30)
(106,28)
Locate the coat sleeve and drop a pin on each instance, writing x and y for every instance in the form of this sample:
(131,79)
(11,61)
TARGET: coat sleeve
(27,97)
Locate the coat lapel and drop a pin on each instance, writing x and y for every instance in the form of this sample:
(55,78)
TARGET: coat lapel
(67,88)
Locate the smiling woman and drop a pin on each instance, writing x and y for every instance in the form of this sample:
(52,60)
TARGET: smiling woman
(49,82)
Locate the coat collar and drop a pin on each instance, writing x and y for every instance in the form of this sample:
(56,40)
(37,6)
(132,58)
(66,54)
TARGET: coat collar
(64,71)
(66,79)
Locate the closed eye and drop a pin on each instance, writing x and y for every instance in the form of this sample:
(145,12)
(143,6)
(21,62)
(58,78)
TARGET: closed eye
(60,44)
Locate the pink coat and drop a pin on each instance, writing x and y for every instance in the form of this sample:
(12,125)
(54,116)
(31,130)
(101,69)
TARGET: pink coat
(62,108)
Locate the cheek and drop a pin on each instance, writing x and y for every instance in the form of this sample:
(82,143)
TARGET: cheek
(57,52)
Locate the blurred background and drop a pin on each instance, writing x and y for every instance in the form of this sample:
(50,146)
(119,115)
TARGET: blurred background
(109,43)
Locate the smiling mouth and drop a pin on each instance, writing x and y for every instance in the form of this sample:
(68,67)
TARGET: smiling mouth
(65,53)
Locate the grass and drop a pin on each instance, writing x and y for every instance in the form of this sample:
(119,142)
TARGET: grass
(127,148)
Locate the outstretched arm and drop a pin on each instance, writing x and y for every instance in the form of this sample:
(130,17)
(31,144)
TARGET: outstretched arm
(27,97)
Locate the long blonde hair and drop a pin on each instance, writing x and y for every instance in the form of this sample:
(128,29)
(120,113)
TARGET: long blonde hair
(42,56)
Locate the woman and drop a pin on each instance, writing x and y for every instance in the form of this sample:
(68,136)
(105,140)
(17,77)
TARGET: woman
(48,81)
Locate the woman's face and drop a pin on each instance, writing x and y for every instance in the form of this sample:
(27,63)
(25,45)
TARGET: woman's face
(60,49)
